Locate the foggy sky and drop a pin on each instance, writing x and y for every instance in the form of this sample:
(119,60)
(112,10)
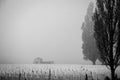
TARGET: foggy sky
(50,29)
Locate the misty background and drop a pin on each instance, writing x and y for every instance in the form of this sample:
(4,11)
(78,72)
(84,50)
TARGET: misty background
(50,29)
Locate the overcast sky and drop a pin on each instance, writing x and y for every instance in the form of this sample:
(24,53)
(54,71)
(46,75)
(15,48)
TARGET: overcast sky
(50,29)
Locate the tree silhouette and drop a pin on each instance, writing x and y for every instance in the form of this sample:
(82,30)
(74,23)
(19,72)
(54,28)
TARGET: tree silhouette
(89,45)
(107,32)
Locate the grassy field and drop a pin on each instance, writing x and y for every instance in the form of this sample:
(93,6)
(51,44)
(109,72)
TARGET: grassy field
(53,72)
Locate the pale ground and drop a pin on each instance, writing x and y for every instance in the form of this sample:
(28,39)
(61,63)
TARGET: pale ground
(76,71)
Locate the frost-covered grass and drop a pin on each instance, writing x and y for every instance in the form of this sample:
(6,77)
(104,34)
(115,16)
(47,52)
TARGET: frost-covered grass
(53,72)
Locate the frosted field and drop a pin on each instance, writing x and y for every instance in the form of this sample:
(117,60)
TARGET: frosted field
(53,72)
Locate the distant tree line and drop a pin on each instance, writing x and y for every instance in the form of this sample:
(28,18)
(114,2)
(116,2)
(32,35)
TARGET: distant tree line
(39,60)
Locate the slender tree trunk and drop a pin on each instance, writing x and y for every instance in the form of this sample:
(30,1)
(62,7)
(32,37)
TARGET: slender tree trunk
(112,73)
(111,56)
(93,62)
